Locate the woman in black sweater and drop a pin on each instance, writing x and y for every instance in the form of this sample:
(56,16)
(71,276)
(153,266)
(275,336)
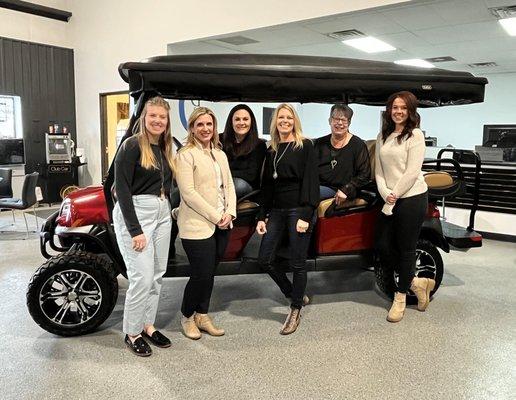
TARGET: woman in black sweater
(141,218)
(290,194)
(245,151)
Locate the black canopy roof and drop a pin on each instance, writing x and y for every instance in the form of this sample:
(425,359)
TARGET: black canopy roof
(278,78)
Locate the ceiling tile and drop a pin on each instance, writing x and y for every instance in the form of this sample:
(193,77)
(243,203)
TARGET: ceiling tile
(462,11)
(416,17)
(462,33)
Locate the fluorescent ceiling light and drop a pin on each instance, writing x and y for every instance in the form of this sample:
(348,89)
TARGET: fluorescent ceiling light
(369,44)
(415,62)
(509,24)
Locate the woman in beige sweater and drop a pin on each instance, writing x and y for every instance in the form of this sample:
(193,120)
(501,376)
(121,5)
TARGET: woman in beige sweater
(206,211)
(400,151)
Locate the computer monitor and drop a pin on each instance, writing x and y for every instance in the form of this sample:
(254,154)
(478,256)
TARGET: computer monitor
(493,134)
(12,152)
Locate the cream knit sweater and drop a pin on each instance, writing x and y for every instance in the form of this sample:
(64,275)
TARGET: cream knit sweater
(398,166)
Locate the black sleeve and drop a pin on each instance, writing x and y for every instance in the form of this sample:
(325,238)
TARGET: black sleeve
(309,195)
(361,172)
(266,192)
(125,163)
(255,161)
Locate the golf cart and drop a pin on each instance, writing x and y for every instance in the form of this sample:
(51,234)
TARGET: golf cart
(74,292)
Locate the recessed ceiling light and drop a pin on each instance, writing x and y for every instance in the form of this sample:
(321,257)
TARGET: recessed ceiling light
(415,62)
(369,44)
(509,24)
(440,59)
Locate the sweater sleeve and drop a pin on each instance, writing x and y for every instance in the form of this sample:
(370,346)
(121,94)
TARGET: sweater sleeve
(415,158)
(379,176)
(309,196)
(186,185)
(125,164)
(361,172)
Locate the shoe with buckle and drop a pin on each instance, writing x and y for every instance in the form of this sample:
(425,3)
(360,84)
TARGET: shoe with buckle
(157,339)
(139,346)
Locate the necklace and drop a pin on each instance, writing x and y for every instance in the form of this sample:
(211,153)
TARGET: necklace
(162,173)
(276,161)
(334,150)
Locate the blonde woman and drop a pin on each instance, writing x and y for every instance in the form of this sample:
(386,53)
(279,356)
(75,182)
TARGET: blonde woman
(206,211)
(141,217)
(290,194)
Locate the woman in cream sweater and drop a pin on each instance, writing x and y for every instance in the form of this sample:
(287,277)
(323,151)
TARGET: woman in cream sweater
(206,211)
(400,151)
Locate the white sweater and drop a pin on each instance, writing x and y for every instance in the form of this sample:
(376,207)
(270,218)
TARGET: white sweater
(398,166)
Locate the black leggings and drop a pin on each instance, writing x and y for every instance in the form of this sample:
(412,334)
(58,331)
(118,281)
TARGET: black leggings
(204,256)
(397,235)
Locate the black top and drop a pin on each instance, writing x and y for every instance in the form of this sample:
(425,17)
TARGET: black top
(132,179)
(351,166)
(249,167)
(297,184)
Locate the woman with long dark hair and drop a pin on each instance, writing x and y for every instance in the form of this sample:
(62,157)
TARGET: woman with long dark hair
(141,218)
(400,151)
(290,194)
(244,149)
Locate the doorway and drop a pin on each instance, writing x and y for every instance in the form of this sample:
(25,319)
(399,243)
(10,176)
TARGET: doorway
(114,120)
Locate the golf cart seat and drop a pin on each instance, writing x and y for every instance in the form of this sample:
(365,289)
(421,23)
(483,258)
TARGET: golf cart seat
(365,197)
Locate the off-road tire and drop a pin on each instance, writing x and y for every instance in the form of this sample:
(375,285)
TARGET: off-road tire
(97,273)
(385,276)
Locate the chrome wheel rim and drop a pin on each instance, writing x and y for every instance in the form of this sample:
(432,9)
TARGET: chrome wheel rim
(426,266)
(70,298)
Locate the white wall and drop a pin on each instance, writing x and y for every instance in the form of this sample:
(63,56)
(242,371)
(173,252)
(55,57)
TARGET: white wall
(21,26)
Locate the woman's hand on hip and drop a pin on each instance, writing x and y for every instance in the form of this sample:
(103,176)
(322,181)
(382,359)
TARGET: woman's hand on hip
(139,242)
(261,228)
(302,226)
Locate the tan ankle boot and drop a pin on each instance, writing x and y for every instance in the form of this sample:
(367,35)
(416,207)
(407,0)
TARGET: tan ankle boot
(204,323)
(398,308)
(422,288)
(292,322)
(190,329)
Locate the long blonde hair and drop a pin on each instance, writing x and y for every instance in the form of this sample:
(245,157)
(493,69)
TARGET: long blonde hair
(196,113)
(297,131)
(147,159)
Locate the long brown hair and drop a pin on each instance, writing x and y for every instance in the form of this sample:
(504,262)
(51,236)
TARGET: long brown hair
(251,140)
(196,113)
(413,119)
(147,159)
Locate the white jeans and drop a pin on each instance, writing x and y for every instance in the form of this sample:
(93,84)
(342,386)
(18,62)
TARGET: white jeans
(145,269)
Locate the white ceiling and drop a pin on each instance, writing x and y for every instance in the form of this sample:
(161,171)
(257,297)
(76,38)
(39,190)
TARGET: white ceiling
(463,29)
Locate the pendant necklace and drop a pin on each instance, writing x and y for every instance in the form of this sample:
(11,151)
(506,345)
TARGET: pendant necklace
(276,161)
(334,152)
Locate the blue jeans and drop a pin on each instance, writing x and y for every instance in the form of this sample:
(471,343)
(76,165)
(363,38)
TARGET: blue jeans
(242,187)
(279,221)
(326,192)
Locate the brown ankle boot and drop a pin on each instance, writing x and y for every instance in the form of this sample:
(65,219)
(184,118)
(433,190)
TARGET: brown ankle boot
(292,322)
(190,329)
(204,323)
(422,288)
(398,308)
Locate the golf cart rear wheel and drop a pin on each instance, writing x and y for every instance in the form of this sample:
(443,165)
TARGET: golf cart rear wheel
(429,264)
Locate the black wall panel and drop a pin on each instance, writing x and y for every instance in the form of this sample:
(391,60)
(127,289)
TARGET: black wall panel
(43,76)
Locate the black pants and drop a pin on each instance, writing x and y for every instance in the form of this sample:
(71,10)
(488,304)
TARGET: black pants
(279,221)
(204,256)
(397,235)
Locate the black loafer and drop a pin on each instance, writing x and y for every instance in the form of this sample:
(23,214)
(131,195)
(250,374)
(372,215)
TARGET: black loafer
(139,347)
(157,339)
